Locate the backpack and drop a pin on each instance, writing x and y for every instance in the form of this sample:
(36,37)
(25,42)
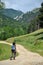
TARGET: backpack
(13,47)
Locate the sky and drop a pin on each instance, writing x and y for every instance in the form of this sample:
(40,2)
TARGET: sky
(23,5)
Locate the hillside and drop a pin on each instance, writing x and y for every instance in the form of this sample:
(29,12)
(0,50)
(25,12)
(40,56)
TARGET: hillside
(28,16)
(4,52)
(19,15)
(32,41)
(11,13)
(9,27)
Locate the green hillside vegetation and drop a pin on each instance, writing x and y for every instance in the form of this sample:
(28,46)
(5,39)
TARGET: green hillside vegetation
(37,23)
(29,16)
(28,23)
(9,27)
(40,17)
(5,51)
(33,42)
(11,12)
(19,27)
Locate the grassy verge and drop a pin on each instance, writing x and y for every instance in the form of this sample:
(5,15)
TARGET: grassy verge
(32,42)
(5,51)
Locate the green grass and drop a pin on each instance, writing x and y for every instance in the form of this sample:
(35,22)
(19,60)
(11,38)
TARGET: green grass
(5,51)
(32,42)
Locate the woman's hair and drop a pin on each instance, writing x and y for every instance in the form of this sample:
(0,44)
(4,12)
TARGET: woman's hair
(13,43)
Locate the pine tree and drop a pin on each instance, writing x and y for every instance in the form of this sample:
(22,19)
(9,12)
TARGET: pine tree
(2,5)
(41,16)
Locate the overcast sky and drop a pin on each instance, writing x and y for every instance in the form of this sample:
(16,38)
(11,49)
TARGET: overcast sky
(23,5)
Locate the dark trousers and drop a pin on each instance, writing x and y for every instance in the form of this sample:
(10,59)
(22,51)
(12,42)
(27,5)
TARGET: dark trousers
(13,52)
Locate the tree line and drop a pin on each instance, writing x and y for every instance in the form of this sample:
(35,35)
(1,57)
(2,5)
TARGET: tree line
(36,23)
(11,28)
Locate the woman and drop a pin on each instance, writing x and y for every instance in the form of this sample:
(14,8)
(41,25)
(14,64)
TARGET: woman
(13,51)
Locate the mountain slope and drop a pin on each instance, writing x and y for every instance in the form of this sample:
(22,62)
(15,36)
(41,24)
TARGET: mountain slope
(32,41)
(10,27)
(13,27)
(11,12)
(27,17)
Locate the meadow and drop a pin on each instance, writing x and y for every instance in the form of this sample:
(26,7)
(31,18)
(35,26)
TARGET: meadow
(32,42)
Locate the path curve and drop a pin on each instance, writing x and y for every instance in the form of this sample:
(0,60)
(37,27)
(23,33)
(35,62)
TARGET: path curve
(25,57)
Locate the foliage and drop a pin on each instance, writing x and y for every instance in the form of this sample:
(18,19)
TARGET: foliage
(9,27)
(41,16)
(37,22)
(5,51)
(11,13)
(32,41)
(2,5)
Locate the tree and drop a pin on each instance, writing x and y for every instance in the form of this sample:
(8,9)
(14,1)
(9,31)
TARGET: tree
(32,26)
(2,5)
(41,16)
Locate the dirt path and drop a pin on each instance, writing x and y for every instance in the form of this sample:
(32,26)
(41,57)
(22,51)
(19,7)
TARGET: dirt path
(25,57)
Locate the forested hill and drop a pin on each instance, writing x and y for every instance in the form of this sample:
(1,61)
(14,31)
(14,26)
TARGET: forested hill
(28,16)
(11,12)
(19,15)
(26,23)
(9,27)
(7,21)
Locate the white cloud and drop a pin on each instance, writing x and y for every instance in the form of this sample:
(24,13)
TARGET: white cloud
(23,5)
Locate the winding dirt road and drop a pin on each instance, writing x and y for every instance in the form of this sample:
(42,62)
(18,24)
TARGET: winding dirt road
(25,57)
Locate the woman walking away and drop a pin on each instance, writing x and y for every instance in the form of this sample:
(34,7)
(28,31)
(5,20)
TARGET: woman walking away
(13,51)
